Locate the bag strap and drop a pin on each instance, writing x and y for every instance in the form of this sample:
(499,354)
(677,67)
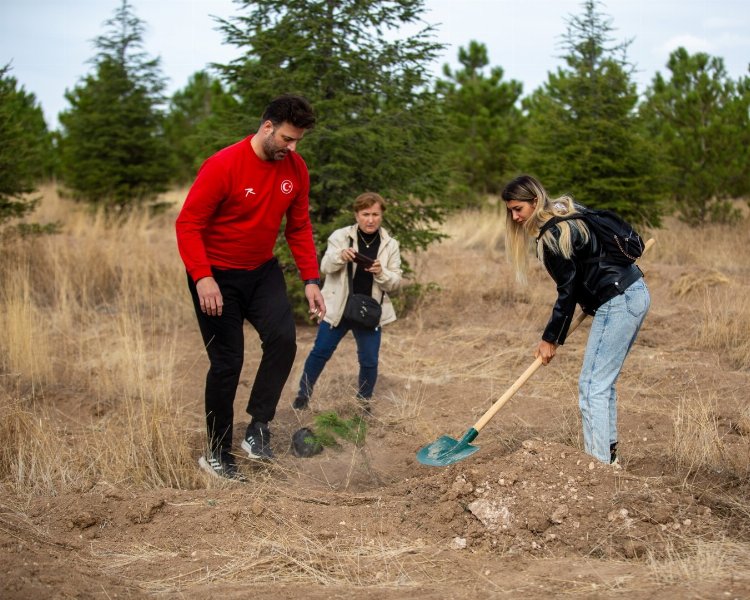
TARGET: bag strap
(579,215)
(555,220)
(351,276)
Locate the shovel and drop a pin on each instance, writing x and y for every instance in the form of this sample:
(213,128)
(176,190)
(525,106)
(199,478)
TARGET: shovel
(446,450)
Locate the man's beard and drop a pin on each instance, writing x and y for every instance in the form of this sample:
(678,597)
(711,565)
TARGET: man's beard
(271,150)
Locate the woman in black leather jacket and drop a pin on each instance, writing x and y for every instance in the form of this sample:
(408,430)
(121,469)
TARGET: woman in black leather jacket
(615,294)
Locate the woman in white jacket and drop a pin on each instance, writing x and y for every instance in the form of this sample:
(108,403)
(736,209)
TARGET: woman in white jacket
(367,238)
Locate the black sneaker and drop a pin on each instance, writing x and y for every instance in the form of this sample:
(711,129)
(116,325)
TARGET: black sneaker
(300,403)
(257,442)
(220,465)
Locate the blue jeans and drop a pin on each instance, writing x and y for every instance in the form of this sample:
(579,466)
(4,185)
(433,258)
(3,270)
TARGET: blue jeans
(328,338)
(613,331)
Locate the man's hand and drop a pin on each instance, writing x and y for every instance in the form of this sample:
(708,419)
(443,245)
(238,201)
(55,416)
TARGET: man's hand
(316,302)
(546,350)
(209,295)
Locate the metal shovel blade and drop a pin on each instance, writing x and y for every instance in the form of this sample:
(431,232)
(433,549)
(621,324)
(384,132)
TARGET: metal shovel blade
(446,450)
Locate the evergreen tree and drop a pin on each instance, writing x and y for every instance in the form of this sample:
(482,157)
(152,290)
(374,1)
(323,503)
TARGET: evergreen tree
(25,148)
(113,150)
(700,118)
(198,123)
(378,125)
(484,120)
(584,133)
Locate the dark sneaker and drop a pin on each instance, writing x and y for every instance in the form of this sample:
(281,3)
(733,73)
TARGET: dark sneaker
(300,403)
(220,465)
(257,442)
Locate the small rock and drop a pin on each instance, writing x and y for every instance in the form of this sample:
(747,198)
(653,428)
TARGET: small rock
(257,507)
(84,520)
(538,523)
(559,514)
(458,543)
(491,514)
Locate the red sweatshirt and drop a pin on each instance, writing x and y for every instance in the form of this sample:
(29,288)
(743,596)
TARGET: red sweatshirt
(232,214)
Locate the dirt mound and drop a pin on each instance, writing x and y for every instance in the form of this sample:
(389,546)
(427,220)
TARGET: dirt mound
(547,499)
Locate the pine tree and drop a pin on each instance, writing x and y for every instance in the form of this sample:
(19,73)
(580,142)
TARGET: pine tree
(485,122)
(700,118)
(25,148)
(198,123)
(378,125)
(584,132)
(113,150)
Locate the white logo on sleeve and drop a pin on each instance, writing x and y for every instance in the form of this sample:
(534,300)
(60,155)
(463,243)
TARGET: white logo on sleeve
(249,191)
(287,186)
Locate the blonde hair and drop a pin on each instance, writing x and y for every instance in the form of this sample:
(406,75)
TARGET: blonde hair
(519,236)
(367,200)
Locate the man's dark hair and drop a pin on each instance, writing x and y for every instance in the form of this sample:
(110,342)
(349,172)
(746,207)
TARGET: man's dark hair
(291,109)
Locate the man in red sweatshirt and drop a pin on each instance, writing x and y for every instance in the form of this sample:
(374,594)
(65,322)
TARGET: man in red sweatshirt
(226,232)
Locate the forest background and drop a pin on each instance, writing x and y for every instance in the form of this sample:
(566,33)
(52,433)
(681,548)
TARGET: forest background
(430,145)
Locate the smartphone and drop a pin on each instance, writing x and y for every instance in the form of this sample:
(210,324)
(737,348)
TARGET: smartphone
(363,260)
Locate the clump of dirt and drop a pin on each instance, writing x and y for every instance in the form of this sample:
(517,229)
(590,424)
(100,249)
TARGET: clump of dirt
(548,499)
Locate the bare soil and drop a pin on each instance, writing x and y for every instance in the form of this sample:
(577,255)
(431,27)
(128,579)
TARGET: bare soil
(529,515)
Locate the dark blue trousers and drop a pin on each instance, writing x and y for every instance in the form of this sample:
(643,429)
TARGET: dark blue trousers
(326,342)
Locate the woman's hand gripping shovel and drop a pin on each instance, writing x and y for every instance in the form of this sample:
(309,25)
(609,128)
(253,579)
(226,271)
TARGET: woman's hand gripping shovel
(446,450)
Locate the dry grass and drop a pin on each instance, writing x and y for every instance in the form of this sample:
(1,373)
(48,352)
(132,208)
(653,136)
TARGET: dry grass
(33,456)
(482,229)
(406,410)
(698,281)
(24,334)
(91,318)
(701,561)
(712,248)
(698,443)
(289,558)
(92,312)
(725,325)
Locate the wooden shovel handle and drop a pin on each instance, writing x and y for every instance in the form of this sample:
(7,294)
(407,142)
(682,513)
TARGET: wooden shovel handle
(580,318)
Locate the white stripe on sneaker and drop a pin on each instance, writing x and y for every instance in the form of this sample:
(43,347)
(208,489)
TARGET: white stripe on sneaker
(211,466)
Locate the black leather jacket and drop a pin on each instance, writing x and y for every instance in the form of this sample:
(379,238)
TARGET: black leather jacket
(589,283)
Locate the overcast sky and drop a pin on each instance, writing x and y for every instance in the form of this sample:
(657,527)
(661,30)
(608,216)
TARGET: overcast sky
(48,42)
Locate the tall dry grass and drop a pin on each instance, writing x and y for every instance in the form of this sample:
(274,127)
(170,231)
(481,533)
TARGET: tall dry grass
(92,313)
(714,268)
(700,561)
(697,443)
(725,325)
(721,248)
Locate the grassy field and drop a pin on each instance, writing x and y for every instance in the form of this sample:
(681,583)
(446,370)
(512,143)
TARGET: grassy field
(101,423)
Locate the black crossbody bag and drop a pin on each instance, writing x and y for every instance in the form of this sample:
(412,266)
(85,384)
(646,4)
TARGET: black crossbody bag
(361,309)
